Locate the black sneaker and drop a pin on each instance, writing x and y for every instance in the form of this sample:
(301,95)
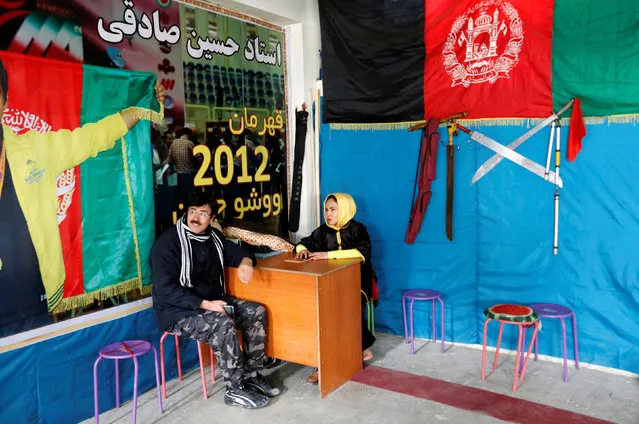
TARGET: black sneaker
(260,384)
(245,397)
(270,362)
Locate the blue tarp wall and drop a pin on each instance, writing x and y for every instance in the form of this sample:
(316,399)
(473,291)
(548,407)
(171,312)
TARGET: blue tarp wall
(52,381)
(503,230)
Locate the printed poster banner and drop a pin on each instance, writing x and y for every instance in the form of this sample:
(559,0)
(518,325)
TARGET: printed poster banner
(234,90)
(140,35)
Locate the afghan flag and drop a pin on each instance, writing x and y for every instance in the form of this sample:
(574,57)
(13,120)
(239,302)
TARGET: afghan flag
(494,59)
(105,205)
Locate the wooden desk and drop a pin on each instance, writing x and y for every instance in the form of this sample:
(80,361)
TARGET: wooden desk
(314,313)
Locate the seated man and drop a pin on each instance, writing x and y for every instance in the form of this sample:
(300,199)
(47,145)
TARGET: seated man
(188,263)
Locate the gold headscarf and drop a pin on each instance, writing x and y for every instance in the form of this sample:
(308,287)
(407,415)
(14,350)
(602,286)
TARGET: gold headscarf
(346,209)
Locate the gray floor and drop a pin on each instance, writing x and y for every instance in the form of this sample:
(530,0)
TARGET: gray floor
(590,392)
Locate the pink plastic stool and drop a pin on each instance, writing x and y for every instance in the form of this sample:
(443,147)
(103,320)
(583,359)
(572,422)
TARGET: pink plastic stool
(421,294)
(128,349)
(522,317)
(179,363)
(551,310)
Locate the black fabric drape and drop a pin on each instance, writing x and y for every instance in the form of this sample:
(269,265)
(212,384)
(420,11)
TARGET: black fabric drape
(373,57)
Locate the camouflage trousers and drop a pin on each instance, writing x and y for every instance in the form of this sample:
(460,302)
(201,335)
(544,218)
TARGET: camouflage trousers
(220,331)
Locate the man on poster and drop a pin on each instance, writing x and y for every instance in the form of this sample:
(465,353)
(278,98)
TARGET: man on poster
(31,260)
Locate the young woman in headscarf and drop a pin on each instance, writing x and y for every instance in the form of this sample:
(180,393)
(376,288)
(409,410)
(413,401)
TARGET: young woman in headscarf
(342,237)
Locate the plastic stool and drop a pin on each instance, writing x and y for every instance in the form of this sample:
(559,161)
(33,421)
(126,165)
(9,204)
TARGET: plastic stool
(125,350)
(370,313)
(179,363)
(522,317)
(421,294)
(551,310)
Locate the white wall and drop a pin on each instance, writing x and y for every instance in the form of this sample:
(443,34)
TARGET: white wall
(301,21)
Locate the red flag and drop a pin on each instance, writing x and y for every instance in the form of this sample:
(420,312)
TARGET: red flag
(577,132)
(52,101)
(491,58)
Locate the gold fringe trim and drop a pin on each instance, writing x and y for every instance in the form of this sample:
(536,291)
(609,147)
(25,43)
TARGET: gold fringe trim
(86,299)
(489,122)
(146,290)
(382,126)
(129,194)
(144,114)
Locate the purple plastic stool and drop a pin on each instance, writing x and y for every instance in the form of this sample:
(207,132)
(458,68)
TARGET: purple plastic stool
(551,310)
(128,349)
(421,294)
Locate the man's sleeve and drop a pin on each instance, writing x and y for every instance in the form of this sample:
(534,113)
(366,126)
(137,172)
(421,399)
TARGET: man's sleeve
(166,279)
(234,253)
(68,149)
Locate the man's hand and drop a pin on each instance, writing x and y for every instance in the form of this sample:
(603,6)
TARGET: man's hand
(245,270)
(213,305)
(129,116)
(304,254)
(319,255)
(160,94)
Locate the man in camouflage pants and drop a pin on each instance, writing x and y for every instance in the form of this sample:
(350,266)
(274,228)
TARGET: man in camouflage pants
(188,263)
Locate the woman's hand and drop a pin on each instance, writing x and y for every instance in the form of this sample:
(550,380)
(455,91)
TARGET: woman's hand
(319,255)
(304,254)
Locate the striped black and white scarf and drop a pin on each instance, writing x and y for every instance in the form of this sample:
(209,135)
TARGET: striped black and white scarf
(186,235)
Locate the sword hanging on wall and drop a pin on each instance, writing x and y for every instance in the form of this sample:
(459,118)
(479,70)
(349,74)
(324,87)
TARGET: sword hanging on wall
(450,165)
(513,156)
(495,159)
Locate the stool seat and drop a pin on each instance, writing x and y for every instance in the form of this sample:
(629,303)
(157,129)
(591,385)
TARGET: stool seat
(125,349)
(511,313)
(551,310)
(421,294)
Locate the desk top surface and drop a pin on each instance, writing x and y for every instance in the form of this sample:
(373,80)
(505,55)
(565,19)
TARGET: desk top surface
(317,268)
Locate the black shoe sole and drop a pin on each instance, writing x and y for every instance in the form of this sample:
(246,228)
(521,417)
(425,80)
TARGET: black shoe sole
(231,402)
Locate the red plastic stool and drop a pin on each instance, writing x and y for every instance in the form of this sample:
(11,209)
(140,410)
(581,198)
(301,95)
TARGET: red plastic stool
(179,363)
(522,317)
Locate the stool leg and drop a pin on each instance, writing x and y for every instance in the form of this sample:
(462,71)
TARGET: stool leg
(536,344)
(534,337)
(404,312)
(501,329)
(434,335)
(179,360)
(412,329)
(95,389)
(162,365)
(157,379)
(519,327)
(563,333)
(199,352)
(212,355)
(483,351)
(523,348)
(442,318)
(117,384)
(135,388)
(574,338)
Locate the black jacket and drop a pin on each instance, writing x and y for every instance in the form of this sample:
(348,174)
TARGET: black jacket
(172,301)
(354,236)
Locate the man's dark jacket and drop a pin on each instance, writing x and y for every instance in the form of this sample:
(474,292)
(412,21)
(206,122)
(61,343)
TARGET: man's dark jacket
(172,301)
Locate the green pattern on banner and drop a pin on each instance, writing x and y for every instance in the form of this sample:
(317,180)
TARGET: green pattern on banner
(596,56)
(109,247)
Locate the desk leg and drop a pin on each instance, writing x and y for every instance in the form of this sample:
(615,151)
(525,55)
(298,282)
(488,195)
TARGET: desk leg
(340,328)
